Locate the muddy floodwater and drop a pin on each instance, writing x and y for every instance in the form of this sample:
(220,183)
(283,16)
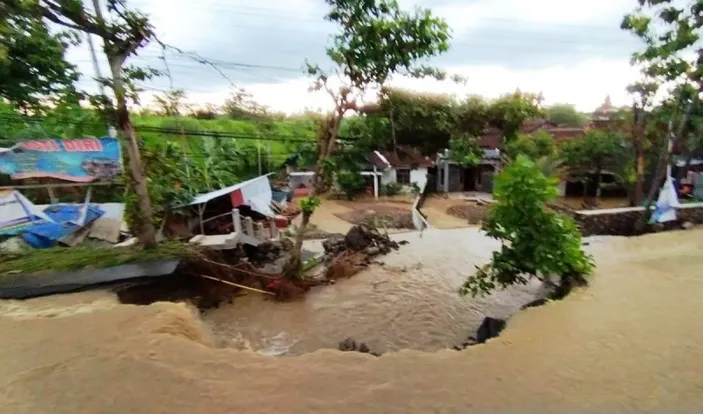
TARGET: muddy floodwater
(408,302)
(628,343)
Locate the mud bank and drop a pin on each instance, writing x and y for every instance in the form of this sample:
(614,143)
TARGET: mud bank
(627,343)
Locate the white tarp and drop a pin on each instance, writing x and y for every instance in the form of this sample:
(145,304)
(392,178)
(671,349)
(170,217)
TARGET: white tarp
(16,212)
(665,209)
(257,194)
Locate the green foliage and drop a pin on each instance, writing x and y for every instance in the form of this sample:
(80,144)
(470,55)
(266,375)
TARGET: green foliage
(566,114)
(33,68)
(351,182)
(535,146)
(668,33)
(415,188)
(465,150)
(58,259)
(309,204)
(597,150)
(377,39)
(429,121)
(391,189)
(508,112)
(535,242)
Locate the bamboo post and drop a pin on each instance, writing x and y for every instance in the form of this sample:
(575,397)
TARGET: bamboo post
(249,226)
(273,229)
(236,220)
(260,232)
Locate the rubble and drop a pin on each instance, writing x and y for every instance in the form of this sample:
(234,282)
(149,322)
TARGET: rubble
(347,255)
(350,345)
(209,277)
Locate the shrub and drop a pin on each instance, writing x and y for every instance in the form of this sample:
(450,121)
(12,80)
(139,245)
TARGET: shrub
(535,242)
(392,189)
(350,182)
(415,188)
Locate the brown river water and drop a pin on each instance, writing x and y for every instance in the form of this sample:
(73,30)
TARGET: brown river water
(409,302)
(628,342)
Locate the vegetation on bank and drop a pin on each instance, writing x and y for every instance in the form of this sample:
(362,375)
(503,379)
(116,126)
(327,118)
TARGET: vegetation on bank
(59,259)
(535,241)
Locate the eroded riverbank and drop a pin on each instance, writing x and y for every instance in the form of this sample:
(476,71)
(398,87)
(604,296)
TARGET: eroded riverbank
(627,342)
(408,302)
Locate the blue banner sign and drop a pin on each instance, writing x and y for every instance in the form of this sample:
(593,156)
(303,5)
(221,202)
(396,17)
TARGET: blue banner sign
(78,160)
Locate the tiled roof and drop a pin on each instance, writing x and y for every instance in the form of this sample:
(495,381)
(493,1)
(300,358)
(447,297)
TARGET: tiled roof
(403,157)
(494,138)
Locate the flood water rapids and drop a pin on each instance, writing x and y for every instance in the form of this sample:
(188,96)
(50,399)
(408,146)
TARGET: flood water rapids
(627,343)
(411,301)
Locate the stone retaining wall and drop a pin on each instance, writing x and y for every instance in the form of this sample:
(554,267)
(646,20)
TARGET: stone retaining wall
(621,221)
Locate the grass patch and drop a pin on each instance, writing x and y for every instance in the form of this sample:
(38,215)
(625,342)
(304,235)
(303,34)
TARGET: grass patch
(73,258)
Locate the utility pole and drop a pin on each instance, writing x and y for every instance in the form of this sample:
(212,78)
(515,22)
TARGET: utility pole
(258,155)
(111,131)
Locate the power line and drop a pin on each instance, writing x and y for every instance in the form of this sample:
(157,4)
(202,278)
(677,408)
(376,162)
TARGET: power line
(247,10)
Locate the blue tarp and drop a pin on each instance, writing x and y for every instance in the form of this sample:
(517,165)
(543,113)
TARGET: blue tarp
(65,217)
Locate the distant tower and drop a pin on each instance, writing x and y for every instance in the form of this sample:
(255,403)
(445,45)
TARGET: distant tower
(605,111)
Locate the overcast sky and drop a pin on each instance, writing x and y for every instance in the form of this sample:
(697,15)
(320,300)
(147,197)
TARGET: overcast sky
(569,50)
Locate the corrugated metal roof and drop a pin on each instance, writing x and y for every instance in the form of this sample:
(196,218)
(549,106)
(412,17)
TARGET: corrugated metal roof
(204,198)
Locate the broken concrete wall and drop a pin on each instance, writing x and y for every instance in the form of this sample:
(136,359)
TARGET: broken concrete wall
(621,221)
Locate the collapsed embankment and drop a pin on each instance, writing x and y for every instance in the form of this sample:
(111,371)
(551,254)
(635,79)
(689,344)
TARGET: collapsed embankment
(625,345)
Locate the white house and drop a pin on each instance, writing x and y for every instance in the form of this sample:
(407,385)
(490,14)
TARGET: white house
(405,166)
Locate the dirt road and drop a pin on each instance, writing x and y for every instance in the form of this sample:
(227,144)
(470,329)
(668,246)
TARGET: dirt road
(630,342)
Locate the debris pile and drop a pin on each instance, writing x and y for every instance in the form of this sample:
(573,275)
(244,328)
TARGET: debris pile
(347,255)
(209,277)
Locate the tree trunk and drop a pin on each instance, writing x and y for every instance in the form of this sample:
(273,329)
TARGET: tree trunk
(295,263)
(324,148)
(598,179)
(147,232)
(639,157)
(665,157)
(395,142)
(639,180)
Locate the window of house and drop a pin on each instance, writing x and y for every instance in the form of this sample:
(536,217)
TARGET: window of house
(402,176)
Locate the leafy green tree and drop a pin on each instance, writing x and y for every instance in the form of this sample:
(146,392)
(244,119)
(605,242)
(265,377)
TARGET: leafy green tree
(33,68)
(464,150)
(535,146)
(670,31)
(123,32)
(351,182)
(375,39)
(594,152)
(535,241)
(643,93)
(508,112)
(566,114)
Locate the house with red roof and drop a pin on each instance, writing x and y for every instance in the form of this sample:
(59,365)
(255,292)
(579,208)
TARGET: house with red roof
(405,166)
(452,177)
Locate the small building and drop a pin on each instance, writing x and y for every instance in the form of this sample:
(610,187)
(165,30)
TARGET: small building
(405,166)
(452,177)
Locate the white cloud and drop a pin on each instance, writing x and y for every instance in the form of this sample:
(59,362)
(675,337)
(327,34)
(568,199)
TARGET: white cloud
(585,85)
(563,13)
